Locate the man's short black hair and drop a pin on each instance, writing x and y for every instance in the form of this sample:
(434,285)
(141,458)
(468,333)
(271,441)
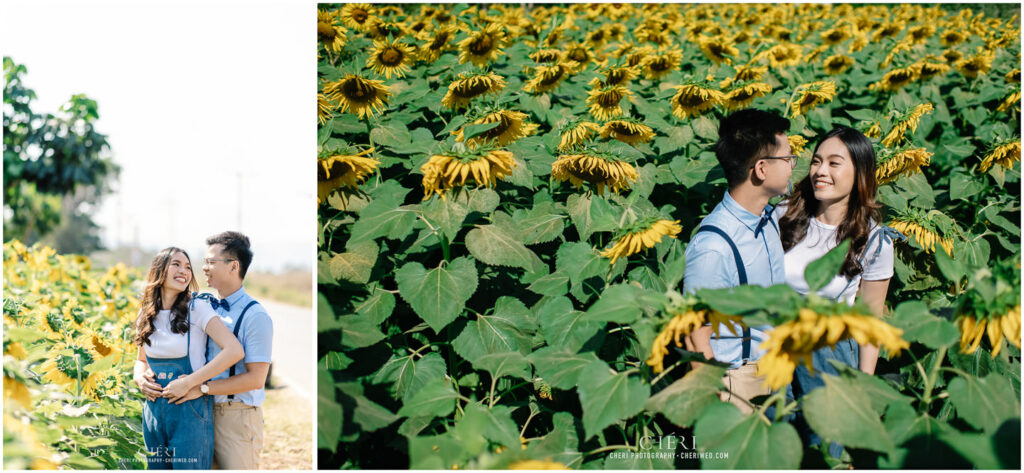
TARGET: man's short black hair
(744,136)
(236,246)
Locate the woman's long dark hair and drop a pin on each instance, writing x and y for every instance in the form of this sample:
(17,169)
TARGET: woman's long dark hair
(862,207)
(152,297)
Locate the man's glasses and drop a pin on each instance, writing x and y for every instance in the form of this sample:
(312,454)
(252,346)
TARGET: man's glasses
(210,261)
(791,158)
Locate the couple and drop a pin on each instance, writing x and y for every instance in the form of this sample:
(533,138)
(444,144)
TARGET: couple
(745,241)
(202,361)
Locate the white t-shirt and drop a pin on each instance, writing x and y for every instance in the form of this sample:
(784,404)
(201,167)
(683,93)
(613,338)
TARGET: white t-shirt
(167,344)
(819,240)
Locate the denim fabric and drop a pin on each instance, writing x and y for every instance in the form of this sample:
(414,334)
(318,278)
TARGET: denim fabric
(847,352)
(178,437)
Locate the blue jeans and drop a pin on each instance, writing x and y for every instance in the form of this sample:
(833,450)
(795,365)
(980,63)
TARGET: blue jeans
(847,352)
(178,436)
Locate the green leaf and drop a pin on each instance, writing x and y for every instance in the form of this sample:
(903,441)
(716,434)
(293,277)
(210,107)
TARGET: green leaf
(483,200)
(963,185)
(580,261)
(407,375)
(559,367)
(439,452)
(395,133)
(684,400)
(356,263)
(608,397)
(919,325)
(495,424)
(985,403)
(498,246)
(746,441)
(325,319)
(328,411)
(953,270)
(381,219)
(842,412)
(822,270)
(690,172)
(881,394)
(553,284)
(506,330)
(510,363)
(439,295)
(705,128)
(369,415)
(436,398)
(472,131)
(448,214)
(378,307)
(539,224)
(677,139)
(337,361)
(621,303)
(591,214)
(358,331)
(564,327)
(560,444)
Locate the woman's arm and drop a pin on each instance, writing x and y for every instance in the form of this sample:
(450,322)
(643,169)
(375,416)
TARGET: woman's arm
(231,352)
(144,378)
(873,294)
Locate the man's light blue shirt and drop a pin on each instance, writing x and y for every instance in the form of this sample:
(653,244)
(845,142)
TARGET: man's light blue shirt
(256,336)
(710,264)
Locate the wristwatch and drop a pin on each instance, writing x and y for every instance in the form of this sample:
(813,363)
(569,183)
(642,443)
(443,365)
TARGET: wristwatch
(204,388)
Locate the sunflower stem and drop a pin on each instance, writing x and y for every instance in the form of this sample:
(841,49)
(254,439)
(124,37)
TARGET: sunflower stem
(445,249)
(78,375)
(929,383)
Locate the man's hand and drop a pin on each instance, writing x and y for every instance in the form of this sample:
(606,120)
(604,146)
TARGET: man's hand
(146,381)
(193,393)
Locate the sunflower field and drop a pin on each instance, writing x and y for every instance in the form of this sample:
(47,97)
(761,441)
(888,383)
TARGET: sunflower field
(69,398)
(506,192)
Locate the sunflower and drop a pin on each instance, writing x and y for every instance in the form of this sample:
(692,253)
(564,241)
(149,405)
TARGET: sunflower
(837,64)
(924,233)
(996,327)
(482,47)
(546,56)
(577,133)
(619,75)
(908,123)
(547,78)
(329,33)
(979,63)
(358,16)
(337,171)
(469,86)
(952,37)
(511,127)
(65,366)
(683,323)
(661,62)
(887,30)
(484,165)
(904,162)
(1013,76)
(381,29)
(364,97)
(952,56)
(920,34)
(749,73)
(641,236)
(742,97)
(604,101)
(928,68)
(579,53)
(797,143)
(599,169)
(1011,102)
(537,465)
(835,35)
(15,390)
(717,49)
(783,55)
(896,79)
(437,44)
(1004,155)
(596,39)
(811,95)
(323,109)
(627,130)
(795,341)
(389,58)
(813,55)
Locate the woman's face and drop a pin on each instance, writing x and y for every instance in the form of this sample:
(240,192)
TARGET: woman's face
(178,273)
(832,173)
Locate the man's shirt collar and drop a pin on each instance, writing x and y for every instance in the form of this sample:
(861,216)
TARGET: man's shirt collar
(748,219)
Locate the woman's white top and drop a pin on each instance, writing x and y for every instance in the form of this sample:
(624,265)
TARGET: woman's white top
(167,344)
(820,238)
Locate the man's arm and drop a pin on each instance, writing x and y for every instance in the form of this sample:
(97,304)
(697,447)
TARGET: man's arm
(255,377)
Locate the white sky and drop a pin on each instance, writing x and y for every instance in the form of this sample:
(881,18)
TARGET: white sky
(190,94)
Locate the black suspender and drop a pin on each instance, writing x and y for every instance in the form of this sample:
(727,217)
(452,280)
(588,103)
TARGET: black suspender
(742,274)
(238,326)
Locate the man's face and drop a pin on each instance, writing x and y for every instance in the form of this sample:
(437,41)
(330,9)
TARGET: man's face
(778,171)
(218,267)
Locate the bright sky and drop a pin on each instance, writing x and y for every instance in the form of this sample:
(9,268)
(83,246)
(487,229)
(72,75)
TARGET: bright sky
(208,109)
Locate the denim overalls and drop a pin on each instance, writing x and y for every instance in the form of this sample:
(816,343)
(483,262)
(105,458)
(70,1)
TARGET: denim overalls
(178,436)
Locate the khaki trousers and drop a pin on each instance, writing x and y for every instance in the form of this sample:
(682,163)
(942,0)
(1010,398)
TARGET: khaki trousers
(744,385)
(237,436)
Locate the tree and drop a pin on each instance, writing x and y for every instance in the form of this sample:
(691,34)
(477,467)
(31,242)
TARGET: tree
(47,158)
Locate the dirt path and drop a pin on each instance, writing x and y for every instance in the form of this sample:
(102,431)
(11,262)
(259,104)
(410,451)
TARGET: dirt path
(287,431)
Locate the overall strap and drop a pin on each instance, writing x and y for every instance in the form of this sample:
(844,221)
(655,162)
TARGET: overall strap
(742,274)
(238,326)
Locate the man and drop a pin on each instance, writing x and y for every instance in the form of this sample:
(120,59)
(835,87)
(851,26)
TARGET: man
(238,393)
(738,242)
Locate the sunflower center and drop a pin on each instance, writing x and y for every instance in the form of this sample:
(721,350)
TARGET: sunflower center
(552,76)
(659,64)
(615,76)
(360,15)
(481,45)
(356,90)
(624,129)
(634,59)
(597,35)
(504,123)
(439,41)
(325,30)
(469,89)
(578,54)
(690,100)
(391,57)
(741,95)
(610,98)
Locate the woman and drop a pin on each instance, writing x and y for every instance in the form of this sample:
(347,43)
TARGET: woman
(171,335)
(836,202)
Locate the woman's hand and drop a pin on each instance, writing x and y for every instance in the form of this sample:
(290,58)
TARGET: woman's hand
(179,387)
